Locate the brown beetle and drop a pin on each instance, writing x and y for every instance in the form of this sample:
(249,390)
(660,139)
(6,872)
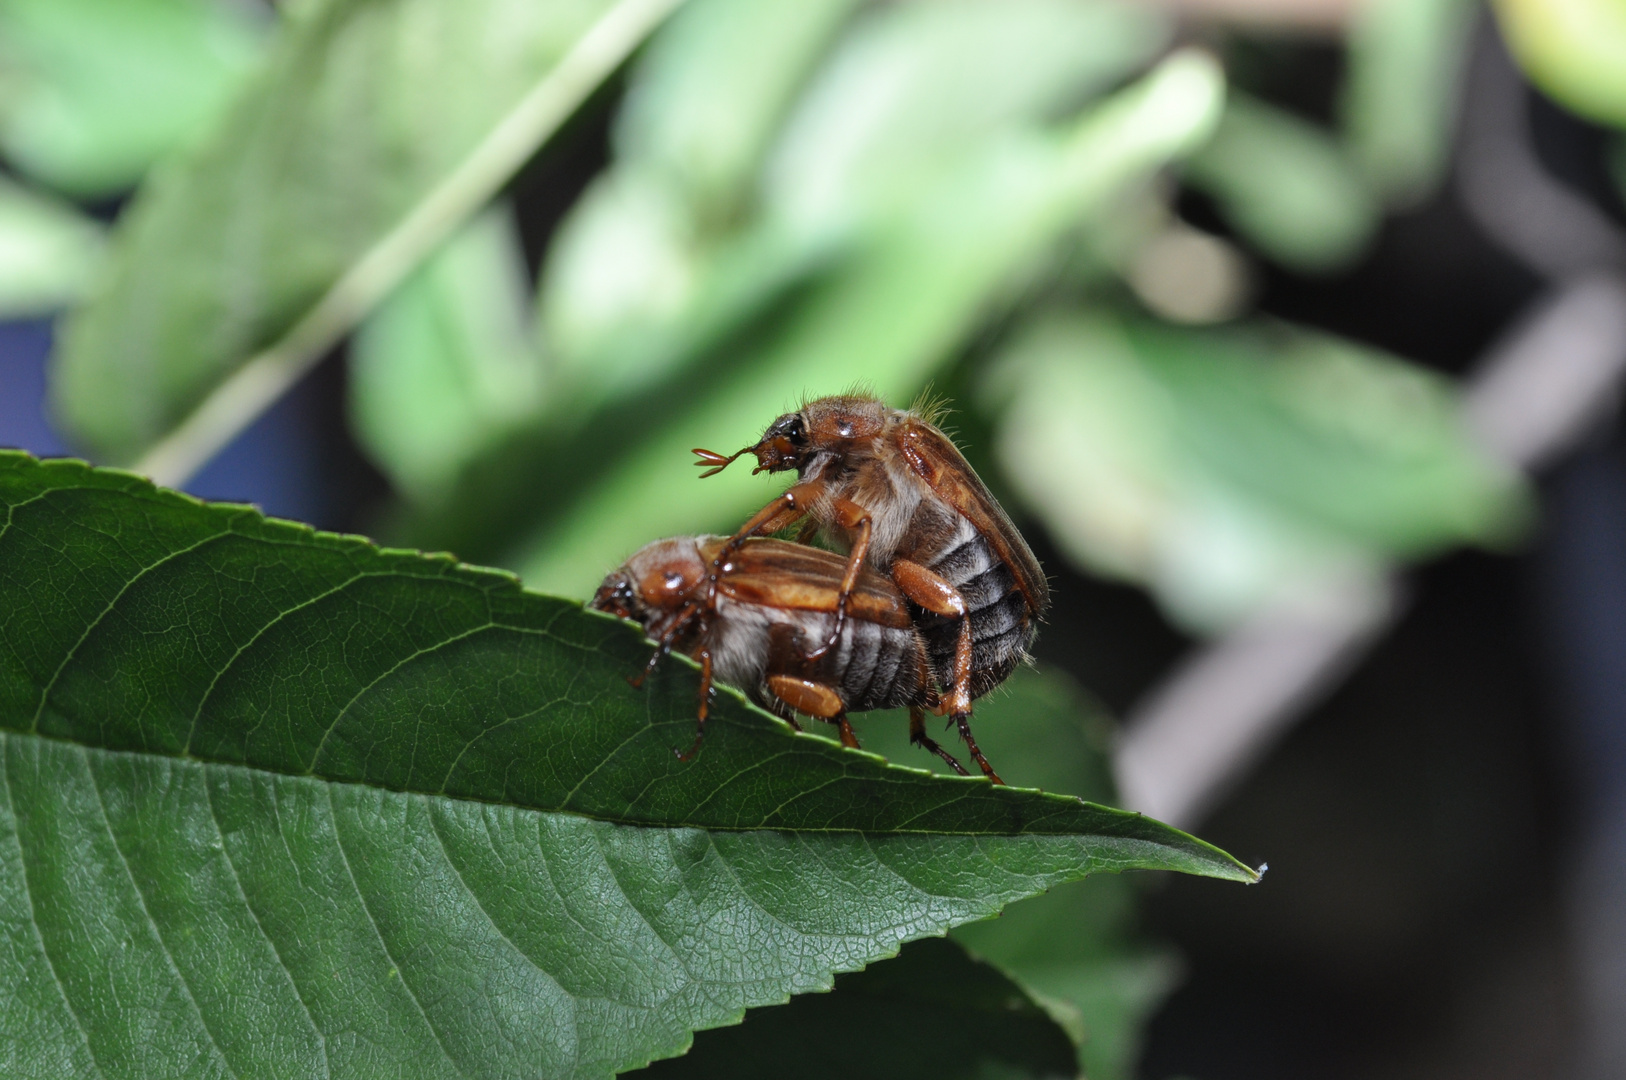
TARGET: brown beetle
(757,626)
(889,488)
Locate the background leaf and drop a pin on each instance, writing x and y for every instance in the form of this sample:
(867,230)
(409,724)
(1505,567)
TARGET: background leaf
(448,365)
(708,96)
(1399,101)
(1574,50)
(690,234)
(932,1012)
(1286,185)
(93,92)
(1225,467)
(307,800)
(48,253)
(360,149)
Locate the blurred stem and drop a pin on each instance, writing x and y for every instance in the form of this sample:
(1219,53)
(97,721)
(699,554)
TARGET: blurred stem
(264,378)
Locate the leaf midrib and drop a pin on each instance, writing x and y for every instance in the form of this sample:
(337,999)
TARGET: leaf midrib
(635,823)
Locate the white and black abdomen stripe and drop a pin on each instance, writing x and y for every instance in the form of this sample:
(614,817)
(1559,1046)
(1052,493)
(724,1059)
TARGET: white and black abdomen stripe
(1001,624)
(871,667)
(877,667)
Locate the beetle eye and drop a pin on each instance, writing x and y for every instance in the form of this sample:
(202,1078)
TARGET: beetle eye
(790,428)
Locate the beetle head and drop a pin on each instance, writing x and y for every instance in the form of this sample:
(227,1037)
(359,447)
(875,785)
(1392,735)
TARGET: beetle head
(829,426)
(655,584)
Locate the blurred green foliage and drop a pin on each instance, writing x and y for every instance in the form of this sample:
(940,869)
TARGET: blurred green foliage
(1230,468)
(1399,99)
(1574,50)
(449,361)
(94,92)
(48,251)
(799,197)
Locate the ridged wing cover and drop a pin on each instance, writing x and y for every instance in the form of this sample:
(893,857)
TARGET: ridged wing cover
(776,573)
(938,462)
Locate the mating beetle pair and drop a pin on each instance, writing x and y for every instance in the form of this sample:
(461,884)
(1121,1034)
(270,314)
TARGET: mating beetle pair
(934,604)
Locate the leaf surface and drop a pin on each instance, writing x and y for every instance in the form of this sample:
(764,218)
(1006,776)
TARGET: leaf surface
(273,796)
(1076,948)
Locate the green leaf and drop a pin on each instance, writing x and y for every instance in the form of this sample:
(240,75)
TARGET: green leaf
(447,366)
(709,93)
(921,280)
(1574,50)
(48,253)
(914,86)
(1399,99)
(660,256)
(1224,468)
(933,1013)
(277,801)
(376,129)
(93,92)
(1286,186)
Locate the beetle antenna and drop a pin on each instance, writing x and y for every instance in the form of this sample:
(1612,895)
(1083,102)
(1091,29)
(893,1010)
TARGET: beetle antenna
(717,461)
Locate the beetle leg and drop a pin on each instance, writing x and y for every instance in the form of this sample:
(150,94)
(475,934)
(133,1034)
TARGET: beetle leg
(679,622)
(918,736)
(637,681)
(779,514)
(963,721)
(849,515)
(814,699)
(939,597)
(705,707)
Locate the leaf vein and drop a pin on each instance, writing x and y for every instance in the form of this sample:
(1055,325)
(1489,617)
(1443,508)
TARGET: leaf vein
(197,714)
(33,908)
(338,718)
(67,659)
(225,853)
(141,899)
(361,897)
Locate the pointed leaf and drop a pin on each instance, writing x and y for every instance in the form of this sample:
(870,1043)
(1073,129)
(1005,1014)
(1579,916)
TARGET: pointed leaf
(1076,946)
(277,801)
